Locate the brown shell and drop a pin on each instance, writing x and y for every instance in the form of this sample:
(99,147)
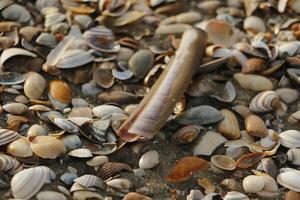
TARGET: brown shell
(292,195)
(249,160)
(253,65)
(110,169)
(185,167)
(14,122)
(60,91)
(187,134)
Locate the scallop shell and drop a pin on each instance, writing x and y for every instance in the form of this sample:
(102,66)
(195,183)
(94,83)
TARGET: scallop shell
(11,52)
(119,184)
(34,85)
(233,195)
(149,160)
(264,101)
(47,147)
(290,180)
(88,181)
(7,136)
(74,58)
(255,126)
(293,155)
(223,162)
(110,169)
(290,138)
(97,161)
(20,147)
(36,176)
(229,127)
(81,153)
(49,195)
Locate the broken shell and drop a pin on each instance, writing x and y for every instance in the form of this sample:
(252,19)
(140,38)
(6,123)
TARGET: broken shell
(293,155)
(36,176)
(253,184)
(149,160)
(253,82)
(34,85)
(207,185)
(249,160)
(20,147)
(223,162)
(48,195)
(14,122)
(185,167)
(97,161)
(200,115)
(228,95)
(186,134)
(233,195)
(11,52)
(119,184)
(254,25)
(290,138)
(15,108)
(7,136)
(60,93)
(270,140)
(6,42)
(270,167)
(287,95)
(290,180)
(36,130)
(231,184)
(264,102)
(110,169)
(229,127)
(29,32)
(102,75)
(11,78)
(47,147)
(141,62)
(81,153)
(255,126)
(71,142)
(208,143)
(89,181)
(74,58)
(241,110)
(6,26)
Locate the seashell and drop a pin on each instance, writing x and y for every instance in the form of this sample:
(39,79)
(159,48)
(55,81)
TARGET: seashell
(16,12)
(186,134)
(34,85)
(118,97)
(74,58)
(36,130)
(110,169)
(176,28)
(264,102)
(71,142)
(231,185)
(287,95)
(254,25)
(36,176)
(83,21)
(288,49)
(253,82)
(141,62)
(208,143)
(294,74)
(235,152)
(11,52)
(52,18)
(270,188)
(29,32)
(128,18)
(292,195)
(7,136)
(102,75)
(5,3)
(255,126)
(122,75)
(253,65)
(290,180)
(83,112)
(64,124)
(195,194)
(14,122)
(47,147)
(249,160)
(40,4)
(121,184)
(233,195)
(270,140)
(48,195)
(6,42)
(11,78)
(229,127)
(6,26)
(207,185)
(81,153)
(241,110)
(135,196)
(9,164)
(290,138)
(103,110)
(68,178)
(269,167)
(253,184)
(60,94)
(223,162)
(46,39)
(39,108)
(200,115)
(79,121)
(20,148)
(228,95)
(97,161)
(89,181)
(149,160)
(83,195)
(293,155)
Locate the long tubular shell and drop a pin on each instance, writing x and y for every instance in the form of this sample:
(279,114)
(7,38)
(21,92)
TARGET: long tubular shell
(153,111)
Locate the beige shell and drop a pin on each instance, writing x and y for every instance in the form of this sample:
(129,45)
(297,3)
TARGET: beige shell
(34,85)
(254,25)
(294,118)
(229,127)
(293,155)
(49,195)
(7,136)
(97,161)
(233,195)
(287,95)
(81,153)
(231,184)
(149,160)
(15,108)
(223,162)
(264,102)
(40,108)
(74,58)
(11,52)
(253,82)
(253,184)
(290,179)
(207,185)
(47,147)
(135,196)
(89,181)
(36,130)
(241,110)
(20,147)
(255,126)
(290,138)
(83,195)
(36,176)
(119,184)
(102,110)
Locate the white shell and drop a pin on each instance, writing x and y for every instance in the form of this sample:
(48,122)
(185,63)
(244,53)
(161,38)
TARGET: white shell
(234,195)
(102,110)
(8,53)
(262,101)
(269,141)
(253,184)
(290,138)
(289,49)
(97,161)
(293,155)
(149,160)
(50,195)
(26,183)
(74,58)
(119,183)
(254,24)
(71,142)
(90,181)
(290,179)
(81,153)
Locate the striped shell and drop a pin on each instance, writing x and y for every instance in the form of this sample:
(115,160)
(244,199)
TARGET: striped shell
(9,164)
(264,102)
(74,58)
(111,168)
(90,181)
(7,136)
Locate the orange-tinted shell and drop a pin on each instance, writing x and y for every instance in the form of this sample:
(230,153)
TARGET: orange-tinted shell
(250,159)
(60,91)
(184,168)
(292,195)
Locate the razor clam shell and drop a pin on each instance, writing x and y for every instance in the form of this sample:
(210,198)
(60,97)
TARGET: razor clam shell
(74,58)
(89,180)
(200,115)
(36,176)
(11,52)
(11,78)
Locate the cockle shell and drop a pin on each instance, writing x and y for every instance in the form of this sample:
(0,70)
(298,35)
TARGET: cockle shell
(34,85)
(229,127)
(293,155)
(149,160)
(89,180)
(253,82)
(290,138)
(110,169)
(36,176)
(233,195)
(47,147)
(290,179)
(255,126)
(74,58)
(20,147)
(264,102)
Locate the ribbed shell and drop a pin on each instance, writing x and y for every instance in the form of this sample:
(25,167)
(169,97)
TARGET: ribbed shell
(7,136)
(263,101)
(74,58)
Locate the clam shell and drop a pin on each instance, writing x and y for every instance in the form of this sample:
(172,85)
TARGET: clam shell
(9,164)
(223,162)
(264,101)
(102,75)
(253,82)
(186,134)
(290,138)
(254,25)
(34,85)
(241,110)
(229,127)
(270,140)
(47,147)
(7,136)
(81,153)
(11,78)
(11,52)
(6,42)
(149,160)
(200,115)
(103,110)
(49,195)
(228,95)
(64,124)
(141,62)
(5,3)
(71,142)
(97,161)
(293,155)
(290,180)
(16,12)
(287,95)
(249,160)
(288,49)
(208,143)
(253,184)
(20,147)
(110,169)
(253,65)
(36,130)
(89,180)
(36,176)
(119,184)
(195,194)
(118,97)
(39,108)
(46,39)
(74,58)
(233,195)
(60,91)
(231,184)
(255,126)
(122,75)
(15,108)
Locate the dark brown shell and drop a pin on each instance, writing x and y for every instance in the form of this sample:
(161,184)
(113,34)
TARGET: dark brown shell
(249,160)
(110,169)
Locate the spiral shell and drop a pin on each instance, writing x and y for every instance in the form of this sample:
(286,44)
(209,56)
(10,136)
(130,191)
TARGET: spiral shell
(264,102)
